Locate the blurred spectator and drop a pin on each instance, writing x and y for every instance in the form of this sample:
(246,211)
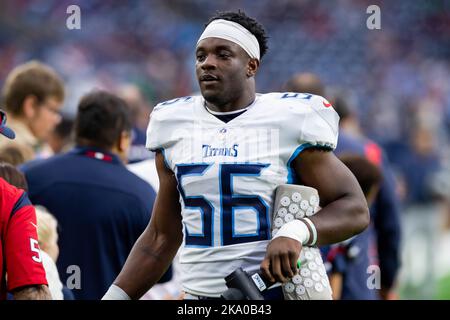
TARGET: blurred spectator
(420,165)
(24,269)
(341,256)
(15,154)
(102,208)
(60,140)
(385,215)
(22,274)
(140,116)
(14,177)
(384,234)
(33,95)
(48,241)
(306,82)
(139,107)
(21,269)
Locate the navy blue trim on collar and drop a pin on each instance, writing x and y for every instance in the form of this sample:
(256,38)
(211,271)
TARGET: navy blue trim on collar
(228,117)
(96,153)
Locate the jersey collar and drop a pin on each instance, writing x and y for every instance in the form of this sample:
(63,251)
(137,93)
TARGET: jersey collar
(96,153)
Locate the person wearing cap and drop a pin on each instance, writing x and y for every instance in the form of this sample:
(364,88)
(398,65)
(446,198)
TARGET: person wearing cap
(220,156)
(33,95)
(101,207)
(21,270)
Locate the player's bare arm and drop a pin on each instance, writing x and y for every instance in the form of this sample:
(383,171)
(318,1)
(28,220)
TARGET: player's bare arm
(156,247)
(38,292)
(344,210)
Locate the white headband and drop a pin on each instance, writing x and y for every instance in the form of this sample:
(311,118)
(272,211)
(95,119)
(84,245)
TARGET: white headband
(233,32)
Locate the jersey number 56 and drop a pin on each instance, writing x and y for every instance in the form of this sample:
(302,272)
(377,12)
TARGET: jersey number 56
(229,201)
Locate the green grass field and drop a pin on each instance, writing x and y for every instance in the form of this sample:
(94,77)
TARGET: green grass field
(443,288)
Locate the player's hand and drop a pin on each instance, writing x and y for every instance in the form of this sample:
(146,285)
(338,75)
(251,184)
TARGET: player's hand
(280,262)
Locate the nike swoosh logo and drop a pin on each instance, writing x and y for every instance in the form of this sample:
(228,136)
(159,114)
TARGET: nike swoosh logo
(33,224)
(326,105)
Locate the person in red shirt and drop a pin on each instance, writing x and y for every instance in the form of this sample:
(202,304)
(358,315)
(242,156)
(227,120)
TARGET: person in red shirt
(21,269)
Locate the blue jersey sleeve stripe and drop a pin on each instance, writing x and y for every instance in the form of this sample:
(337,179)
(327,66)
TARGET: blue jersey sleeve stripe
(291,178)
(163,152)
(291,173)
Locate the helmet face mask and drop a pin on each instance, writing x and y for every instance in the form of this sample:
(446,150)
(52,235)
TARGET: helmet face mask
(4,130)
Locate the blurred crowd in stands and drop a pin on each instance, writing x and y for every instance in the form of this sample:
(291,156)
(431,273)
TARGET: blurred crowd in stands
(396,80)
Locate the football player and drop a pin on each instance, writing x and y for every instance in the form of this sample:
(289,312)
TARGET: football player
(219,158)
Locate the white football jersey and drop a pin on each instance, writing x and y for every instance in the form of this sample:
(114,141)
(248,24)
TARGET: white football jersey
(227,174)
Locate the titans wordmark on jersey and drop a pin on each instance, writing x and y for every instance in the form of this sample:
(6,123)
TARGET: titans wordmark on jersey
(227,174)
